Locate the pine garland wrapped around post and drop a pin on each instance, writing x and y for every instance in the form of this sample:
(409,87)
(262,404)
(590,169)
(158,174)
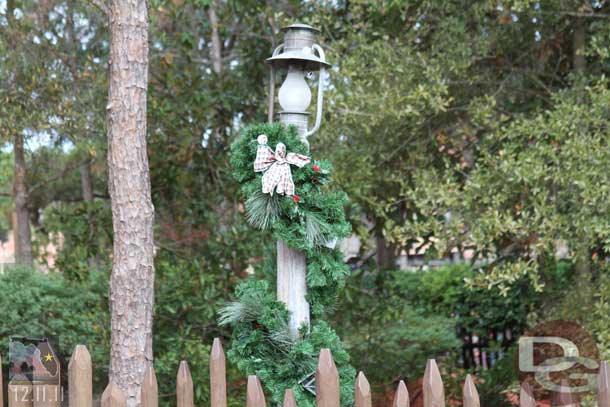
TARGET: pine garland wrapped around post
(312,220)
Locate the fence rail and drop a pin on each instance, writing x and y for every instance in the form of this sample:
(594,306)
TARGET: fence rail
(22,394)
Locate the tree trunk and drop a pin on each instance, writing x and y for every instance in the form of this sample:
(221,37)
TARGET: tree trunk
(216,43)
(21,216)
(582,264)
(132,279)
(578,46)
(21,227)
(85,182)
(386,252)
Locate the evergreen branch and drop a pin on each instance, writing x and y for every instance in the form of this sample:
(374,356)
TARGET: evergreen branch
(262,210)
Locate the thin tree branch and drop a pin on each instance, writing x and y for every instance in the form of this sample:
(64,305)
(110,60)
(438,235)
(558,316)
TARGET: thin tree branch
(101,4)
(58,176)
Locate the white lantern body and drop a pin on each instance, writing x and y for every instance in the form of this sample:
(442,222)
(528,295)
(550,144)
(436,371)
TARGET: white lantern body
(294,94)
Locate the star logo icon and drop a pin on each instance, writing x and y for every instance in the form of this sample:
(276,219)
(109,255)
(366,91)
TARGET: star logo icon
(48,357)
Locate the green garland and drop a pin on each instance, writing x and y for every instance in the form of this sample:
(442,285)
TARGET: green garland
(307,221)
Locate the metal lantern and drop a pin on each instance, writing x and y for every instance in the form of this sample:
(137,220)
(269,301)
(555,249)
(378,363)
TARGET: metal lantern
(299,56)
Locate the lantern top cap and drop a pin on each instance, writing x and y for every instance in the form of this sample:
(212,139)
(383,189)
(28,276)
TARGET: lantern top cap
(308,61)
(299,48)
(300,26)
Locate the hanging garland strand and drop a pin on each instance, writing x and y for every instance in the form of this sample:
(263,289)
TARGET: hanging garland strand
(311,220)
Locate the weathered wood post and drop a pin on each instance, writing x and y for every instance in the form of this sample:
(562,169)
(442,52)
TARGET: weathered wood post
(603,385)
(526,396)
(297,56)
(254,393)
(362,391)
(149,390)
(327,381)
(470,394)
(184,386)
(434,391)
(80,378)
(401,397)
(218,375)
(289,400)
(20,393)
(564,398)
(113,396)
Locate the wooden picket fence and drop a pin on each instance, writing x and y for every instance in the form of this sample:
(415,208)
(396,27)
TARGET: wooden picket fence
(327,392)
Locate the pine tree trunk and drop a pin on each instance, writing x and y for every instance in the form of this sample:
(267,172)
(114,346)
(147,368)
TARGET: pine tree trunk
(216,52)
(21,216)
(578,45)
(21,220)
(132,279)
(85,181)
(582,263)
(386,252)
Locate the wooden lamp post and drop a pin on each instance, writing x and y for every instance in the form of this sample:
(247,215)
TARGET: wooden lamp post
(299,56)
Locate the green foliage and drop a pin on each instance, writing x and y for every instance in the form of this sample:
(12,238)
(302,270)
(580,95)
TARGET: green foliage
(538,182)
(476,310)
(388,334)
(83,231)
(308,225)
(261,343)
(6,176)
(37,304)
(392,321)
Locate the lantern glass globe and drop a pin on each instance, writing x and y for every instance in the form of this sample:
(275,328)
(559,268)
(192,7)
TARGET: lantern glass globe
(294,94)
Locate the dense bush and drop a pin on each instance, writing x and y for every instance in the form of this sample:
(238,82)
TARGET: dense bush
(35,304)
(392,321)
(388,336)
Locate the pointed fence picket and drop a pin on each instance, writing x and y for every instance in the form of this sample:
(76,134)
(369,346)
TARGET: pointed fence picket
(218,375)
(327,381)
(80,378)
(23,393)
(470,394)
(255,397)
(289,400)
(434,391)
(362,391)
(113,396)
(184,386)
(401,397)
(150,391)
(20,394)
(526,398)
(603,385)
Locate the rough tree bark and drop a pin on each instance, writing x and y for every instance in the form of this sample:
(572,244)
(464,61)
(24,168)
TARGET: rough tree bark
(386,252)
(21,215)
(21,220)
(132,279)
(216,51)
(85,181)
(578,45)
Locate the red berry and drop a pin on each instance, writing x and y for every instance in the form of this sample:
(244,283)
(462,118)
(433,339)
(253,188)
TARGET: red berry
(316,168)
(315,180)
(296,198)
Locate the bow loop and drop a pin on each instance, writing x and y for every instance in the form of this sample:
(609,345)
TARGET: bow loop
(275,166)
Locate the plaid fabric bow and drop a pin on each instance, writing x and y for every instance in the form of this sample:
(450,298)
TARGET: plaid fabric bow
(276,167)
